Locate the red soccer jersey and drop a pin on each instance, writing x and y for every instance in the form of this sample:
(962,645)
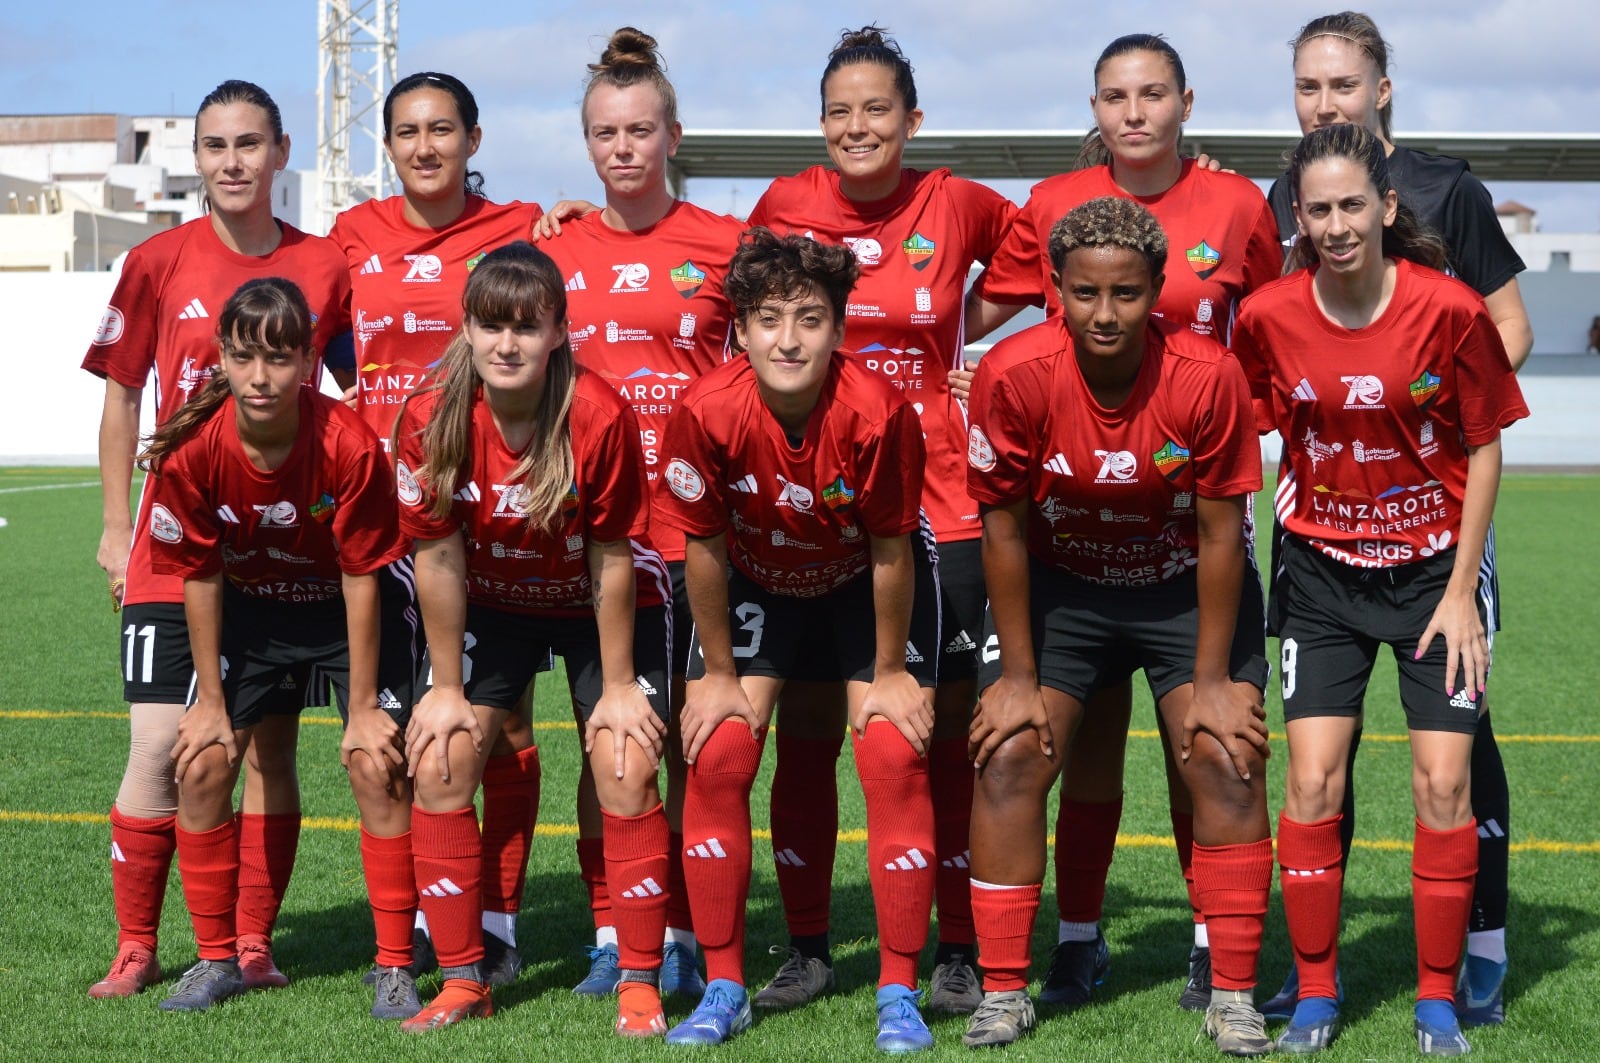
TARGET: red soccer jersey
(648,315)
(800,517)
(1111,492)
(1376,421)
(285,535)
(163,318)
(1222,243)
(904,317)
(511,565)
(406,284)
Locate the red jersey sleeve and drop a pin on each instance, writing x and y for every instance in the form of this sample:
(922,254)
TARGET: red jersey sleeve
(1013,274)
(1002,425)
(366,522)
(1227,456)
(124,347)
(184,535)
(892,463)
(693,501)
(1257,373)
(416,519)
(1487,389)
(984,215)
(611,468)
(1263,254)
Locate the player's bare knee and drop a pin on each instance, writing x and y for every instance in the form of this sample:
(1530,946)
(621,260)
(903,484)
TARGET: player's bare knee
(1442,795)
(1312,793)
(1018,769)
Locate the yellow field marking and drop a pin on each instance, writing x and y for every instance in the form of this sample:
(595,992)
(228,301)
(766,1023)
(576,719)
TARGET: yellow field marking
(855,837)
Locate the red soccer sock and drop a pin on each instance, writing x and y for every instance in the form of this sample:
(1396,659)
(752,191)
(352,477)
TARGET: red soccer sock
(900,847)
(679,917)
(1004,916)
(510,810)
(209,863)
(267,847)
(805,829)
(1086,840)
(716,845)
(141,855)
(448,852)
(950,778)
(592,869)
(1444,865)
(392,892)
(1313,885)
(1183,841)
(636,872)
(1233,882)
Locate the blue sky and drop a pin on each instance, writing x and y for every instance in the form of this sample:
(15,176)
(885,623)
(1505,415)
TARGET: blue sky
(1461,65)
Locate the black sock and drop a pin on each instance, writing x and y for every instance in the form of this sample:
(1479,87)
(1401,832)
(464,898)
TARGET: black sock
(1491,804)
(812,946)
(946,951)
(1347,825)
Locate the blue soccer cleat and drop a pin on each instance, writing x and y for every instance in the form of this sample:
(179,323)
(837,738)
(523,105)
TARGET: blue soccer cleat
(900,1024)
(723,1011)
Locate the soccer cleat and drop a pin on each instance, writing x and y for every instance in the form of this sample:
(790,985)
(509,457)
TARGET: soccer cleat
(459,999)
(1480,992)
(1438,1032)
(206,983)
(1075,969)
(1312,1028)
(1282,1006)
(604,968)
(680,971)
(723,1011)
(900,1024)
(1196,995)
(501,963)
(798,981)
(394,994)
(639,1007)
(1237,1027)
(1001,1019)
(423,959)
(255,963)
(955,988)
(134,968)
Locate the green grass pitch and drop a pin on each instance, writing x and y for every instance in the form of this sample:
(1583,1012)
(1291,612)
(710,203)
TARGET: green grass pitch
(63,740)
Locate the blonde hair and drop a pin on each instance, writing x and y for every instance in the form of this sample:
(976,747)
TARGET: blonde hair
(1358,29)
(514,283)
(631,58)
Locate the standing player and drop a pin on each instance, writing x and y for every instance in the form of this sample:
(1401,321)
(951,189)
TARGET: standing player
(1222,245)
(521,480)
(409,259)
(1390,385)
(274,506)
(1341,67)
(1095,574)
(804,469)
(161,320)
(915,235)
(644,292)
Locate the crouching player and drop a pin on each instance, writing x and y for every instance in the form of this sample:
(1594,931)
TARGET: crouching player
(522,482)
(1114,457)
(804,469)
(275,505)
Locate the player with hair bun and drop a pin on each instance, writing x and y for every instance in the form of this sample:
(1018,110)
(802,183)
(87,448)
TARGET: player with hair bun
(916,234)
(521,481)
(161,320)
(644,279)
(274,506)
(1390,386)
(804,469)
(1094,574)
(409,257)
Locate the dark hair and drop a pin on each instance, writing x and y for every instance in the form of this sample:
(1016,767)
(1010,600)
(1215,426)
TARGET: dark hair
(630,58)
(1406,238)
(514,283)
(1361,31)
(1110,221)
(236,91)
(268,313)
(767,265)
(871,44)
(1093,151)
(466,109)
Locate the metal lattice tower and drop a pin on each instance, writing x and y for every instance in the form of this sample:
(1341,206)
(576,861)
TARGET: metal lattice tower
(357,64)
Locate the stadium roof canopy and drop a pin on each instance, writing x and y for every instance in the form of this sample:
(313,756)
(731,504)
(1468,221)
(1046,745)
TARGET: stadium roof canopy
(1036,154)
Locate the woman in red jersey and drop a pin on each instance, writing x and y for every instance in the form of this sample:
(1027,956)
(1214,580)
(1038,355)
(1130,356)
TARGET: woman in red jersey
(644,293)
(521,480)
(915,235)
(1341,74)
(409,257)
(275,508)
(804,469)
(1113,456)
(1222,245)
(1390,386)
(162,320)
